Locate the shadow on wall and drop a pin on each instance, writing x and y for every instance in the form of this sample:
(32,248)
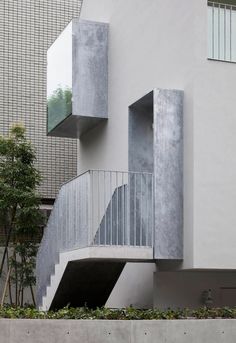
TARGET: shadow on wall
(88,142)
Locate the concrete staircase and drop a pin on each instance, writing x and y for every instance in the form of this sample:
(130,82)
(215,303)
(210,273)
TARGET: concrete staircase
(87,274)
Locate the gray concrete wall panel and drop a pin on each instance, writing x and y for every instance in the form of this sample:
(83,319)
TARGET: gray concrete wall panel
(168,173)
(156,145)
(102,331)
(141,135)
(90,61)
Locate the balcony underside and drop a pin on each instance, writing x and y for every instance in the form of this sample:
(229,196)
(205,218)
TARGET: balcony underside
(88,275)
(75,126)
(84,92)
(87,283)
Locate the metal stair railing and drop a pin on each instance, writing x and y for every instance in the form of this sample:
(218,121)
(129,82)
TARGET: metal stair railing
(97,208)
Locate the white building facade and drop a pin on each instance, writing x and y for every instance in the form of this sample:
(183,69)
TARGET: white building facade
(156,123)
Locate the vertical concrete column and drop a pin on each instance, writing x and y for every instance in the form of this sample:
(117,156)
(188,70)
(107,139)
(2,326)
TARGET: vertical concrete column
(168,173)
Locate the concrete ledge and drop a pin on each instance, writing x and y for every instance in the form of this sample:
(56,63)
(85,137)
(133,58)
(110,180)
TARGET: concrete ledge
(121,253)
(102,331)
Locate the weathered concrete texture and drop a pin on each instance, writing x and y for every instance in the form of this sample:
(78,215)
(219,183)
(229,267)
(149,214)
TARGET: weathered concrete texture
(90,331)
(74,126)
(156,146)
(184,331)
(168,173)
(141,135)
(89,72)
(89,79)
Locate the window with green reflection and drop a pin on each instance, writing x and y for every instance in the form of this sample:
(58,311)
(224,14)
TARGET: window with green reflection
(59,106)
(59,79)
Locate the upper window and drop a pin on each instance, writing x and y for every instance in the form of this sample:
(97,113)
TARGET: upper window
(222,30)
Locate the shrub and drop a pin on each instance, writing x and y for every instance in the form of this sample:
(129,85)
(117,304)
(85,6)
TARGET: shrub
(129,313)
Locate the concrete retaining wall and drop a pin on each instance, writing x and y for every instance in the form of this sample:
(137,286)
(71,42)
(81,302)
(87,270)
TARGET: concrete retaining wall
(95,331)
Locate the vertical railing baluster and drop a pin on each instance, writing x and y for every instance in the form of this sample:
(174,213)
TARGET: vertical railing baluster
(146,211)
(135,218)
(80,210)
(230,33)
(225,32)
(104,211)
(213,31)
(90,214)
(128,210)
(153,212)
(117,209)
(148,207)
(123,210)
(219,35)
(141,210)
(73,213)
(86,200)
(111,219)
(76,213)
(61,218)
(64,218)
(79,214)
(69,216)
(92,207)
(98,209)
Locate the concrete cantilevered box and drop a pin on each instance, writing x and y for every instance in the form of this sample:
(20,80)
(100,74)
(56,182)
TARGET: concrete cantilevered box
(77,79)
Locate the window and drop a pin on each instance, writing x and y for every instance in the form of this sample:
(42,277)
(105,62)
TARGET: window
(222,30)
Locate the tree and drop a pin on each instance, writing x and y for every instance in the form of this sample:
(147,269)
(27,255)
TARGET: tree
(20,215)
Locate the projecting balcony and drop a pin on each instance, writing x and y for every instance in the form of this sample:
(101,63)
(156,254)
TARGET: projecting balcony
(77,80)
(100,221)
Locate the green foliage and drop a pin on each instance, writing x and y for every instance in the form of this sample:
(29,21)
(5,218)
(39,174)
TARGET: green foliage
(18,178)
(129,313)
(25,265)
(59,106)
(20,215)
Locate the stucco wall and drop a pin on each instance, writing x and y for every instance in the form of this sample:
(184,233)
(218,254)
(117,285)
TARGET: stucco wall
(214,157)
(164,45)
(170,51)
(134,287)
(140,60)
(185,288)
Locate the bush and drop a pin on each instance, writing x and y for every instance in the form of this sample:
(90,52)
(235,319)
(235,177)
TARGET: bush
(116,314)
